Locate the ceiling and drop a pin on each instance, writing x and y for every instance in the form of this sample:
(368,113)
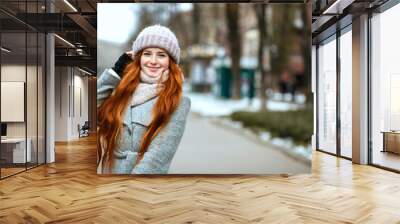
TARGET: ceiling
(74,22)
(337,14)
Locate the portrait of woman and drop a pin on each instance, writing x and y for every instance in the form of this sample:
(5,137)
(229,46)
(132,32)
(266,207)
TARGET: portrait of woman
(141,108)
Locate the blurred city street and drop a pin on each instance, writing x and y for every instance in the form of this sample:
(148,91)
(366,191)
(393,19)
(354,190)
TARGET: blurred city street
(239,72)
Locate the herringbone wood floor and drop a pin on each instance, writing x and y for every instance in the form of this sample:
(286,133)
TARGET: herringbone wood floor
(69,191)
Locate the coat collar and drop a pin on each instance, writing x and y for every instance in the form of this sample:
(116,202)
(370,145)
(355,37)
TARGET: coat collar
(141,114)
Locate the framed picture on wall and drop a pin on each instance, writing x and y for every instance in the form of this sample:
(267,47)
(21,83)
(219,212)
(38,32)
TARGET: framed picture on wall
(158,111)
(12,101)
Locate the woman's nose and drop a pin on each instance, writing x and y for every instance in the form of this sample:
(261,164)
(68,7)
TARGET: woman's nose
(153,59)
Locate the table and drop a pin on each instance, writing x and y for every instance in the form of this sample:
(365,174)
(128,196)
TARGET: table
(391,141)
(13,150)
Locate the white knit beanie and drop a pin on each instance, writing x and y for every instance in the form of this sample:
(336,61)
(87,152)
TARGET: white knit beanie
(157,36)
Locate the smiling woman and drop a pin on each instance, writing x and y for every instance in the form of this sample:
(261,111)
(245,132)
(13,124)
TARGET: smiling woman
(141,110)
(154,61)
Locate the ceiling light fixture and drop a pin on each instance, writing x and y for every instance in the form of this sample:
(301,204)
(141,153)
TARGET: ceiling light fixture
(5,49)
(65,41)
(70,5)
(84,71)
(337,7)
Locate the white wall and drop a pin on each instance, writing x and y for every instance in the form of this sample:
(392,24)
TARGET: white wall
(17,73)
(14,73)
(79,117)
(34,123)
(61,103)
(70,83)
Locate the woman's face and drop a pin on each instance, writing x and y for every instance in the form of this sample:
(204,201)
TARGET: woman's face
(154,61)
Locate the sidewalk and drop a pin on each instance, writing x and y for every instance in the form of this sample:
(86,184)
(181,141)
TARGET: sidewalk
(209,149)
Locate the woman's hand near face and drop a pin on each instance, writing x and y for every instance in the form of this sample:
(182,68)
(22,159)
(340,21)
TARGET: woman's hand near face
(165,72)
(122,61)
(130,53)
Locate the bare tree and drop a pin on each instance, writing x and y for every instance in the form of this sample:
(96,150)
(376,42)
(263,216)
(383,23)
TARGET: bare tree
(234,39)
(262,29)
(196,23)
(150,15)
(179,25)
(306,17)
(282,39)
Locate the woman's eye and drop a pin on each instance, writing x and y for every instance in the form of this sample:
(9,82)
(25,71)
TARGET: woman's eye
(147,54)
(162,55)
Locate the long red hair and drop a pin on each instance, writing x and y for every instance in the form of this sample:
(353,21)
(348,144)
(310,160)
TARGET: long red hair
(111,112)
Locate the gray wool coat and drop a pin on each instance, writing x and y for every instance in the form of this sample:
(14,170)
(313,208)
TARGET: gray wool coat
(160,152)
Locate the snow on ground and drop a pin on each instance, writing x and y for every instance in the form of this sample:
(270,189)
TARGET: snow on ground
(285,144)
(207,104)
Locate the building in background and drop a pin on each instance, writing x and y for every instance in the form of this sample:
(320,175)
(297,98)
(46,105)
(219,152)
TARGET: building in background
(356,80)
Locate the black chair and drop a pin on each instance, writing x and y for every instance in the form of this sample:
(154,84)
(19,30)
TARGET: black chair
(84,130)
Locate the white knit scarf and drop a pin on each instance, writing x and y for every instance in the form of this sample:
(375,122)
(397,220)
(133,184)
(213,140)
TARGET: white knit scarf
(148,88)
